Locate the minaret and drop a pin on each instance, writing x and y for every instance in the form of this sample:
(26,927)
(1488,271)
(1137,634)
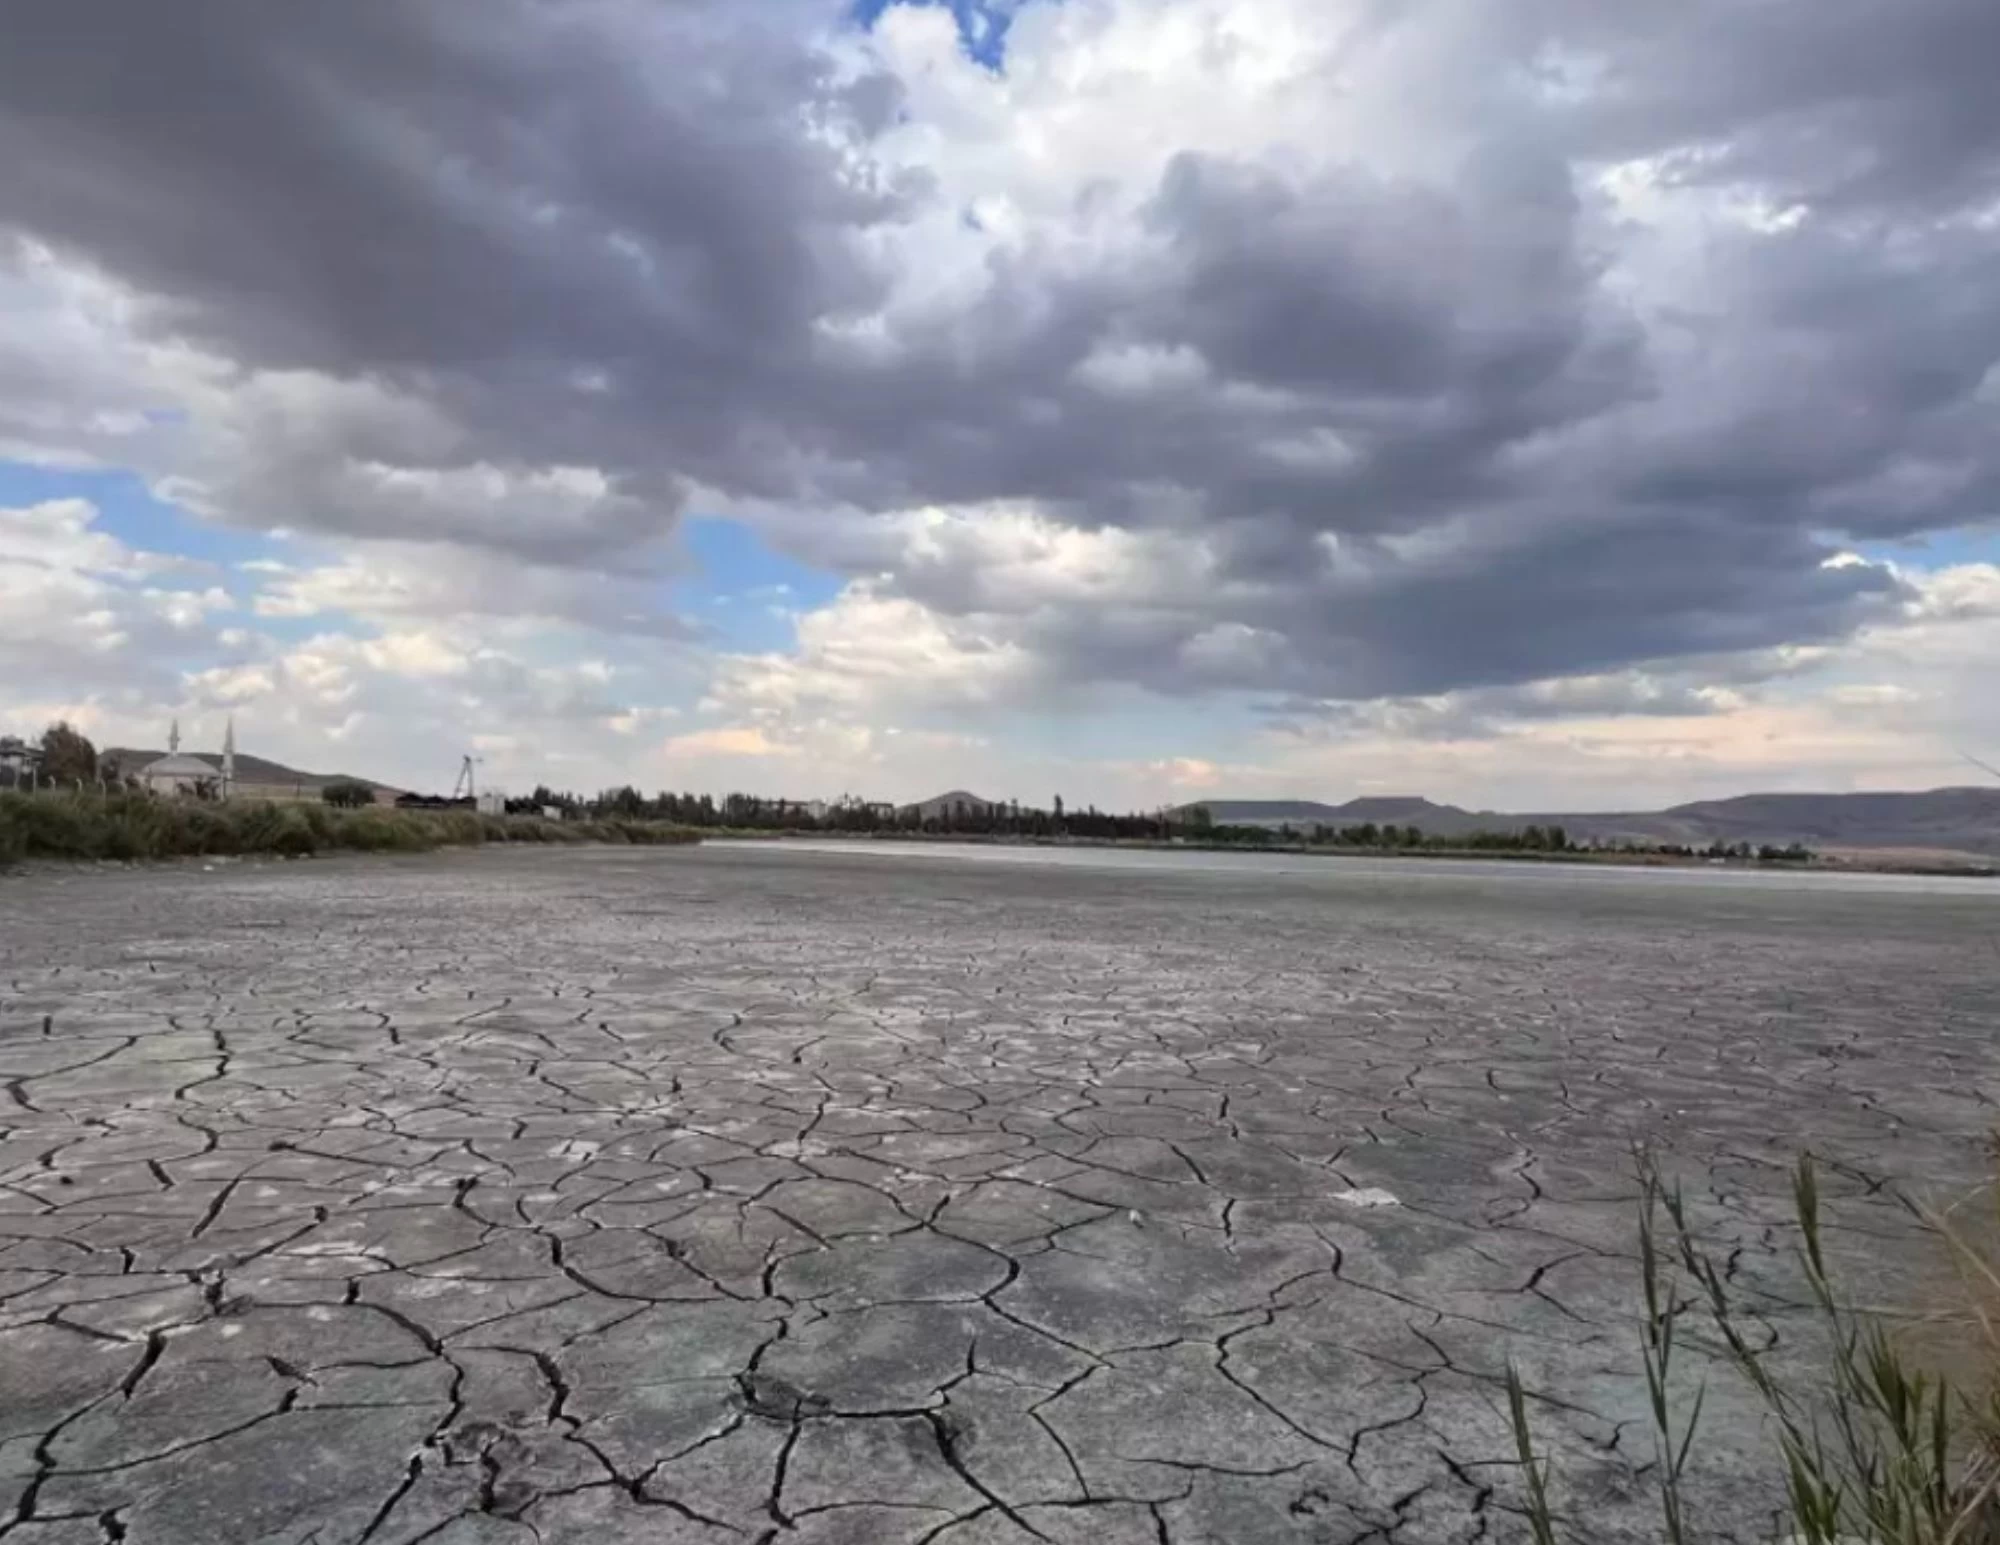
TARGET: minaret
(229,759)
(174,738)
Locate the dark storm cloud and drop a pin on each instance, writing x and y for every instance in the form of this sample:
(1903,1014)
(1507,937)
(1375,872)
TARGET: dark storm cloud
(581,232)
(630,238)
(1846,104)
(377,186)
(1579,600)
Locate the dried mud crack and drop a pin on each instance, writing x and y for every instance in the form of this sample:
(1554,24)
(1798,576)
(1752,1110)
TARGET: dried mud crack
(779,1196)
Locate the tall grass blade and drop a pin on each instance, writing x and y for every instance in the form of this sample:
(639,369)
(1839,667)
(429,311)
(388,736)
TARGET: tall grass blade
(1541,1518)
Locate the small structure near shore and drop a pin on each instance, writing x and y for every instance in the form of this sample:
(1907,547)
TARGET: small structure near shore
(179,776)
(226,774)
(20,761)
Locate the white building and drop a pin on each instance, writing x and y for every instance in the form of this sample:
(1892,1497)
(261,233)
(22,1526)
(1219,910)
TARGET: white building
(19,760)
(175,775)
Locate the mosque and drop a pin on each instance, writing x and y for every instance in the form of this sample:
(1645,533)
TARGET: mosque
(176,774)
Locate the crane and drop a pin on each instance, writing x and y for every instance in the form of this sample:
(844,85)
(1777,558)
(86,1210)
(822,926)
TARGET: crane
(463,788)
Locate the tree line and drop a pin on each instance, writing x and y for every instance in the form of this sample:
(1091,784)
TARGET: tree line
(1193,824)
(65,757)
(752,812)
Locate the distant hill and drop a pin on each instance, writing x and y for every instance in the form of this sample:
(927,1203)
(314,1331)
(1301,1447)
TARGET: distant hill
(250,770)
(1965,820)
(1264,812)
(937,809)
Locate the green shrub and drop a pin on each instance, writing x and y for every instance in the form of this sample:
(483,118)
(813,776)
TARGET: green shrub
(54,824)
(347,794)
(202,828)
(376,831)
(140,826)
(459,827)
(291,833)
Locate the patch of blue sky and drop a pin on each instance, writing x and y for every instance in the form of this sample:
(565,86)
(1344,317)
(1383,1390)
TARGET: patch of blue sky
(128,511)
(743,592)
(982,24)
(288,631)
(1939,549)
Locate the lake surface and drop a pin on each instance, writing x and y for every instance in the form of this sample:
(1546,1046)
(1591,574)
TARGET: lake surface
(1348,868)
(897,1192)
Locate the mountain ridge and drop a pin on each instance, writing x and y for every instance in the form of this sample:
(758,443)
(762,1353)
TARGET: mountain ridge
(1961,818)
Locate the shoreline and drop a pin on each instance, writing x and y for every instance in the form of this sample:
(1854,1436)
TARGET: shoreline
(1584,858)
(689,837)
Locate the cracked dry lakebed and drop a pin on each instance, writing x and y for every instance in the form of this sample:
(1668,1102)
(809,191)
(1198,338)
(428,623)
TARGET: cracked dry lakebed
(816,1193)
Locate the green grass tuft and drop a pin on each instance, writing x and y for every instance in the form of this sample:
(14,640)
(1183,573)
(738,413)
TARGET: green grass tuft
(1887,1453)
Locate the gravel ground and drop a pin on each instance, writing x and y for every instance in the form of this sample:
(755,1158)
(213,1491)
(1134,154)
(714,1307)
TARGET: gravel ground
(772,1193)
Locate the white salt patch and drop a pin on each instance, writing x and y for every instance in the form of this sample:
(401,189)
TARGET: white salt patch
(1367,1196)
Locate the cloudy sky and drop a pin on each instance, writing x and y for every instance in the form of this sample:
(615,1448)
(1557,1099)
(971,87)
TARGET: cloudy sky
(1523,402)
